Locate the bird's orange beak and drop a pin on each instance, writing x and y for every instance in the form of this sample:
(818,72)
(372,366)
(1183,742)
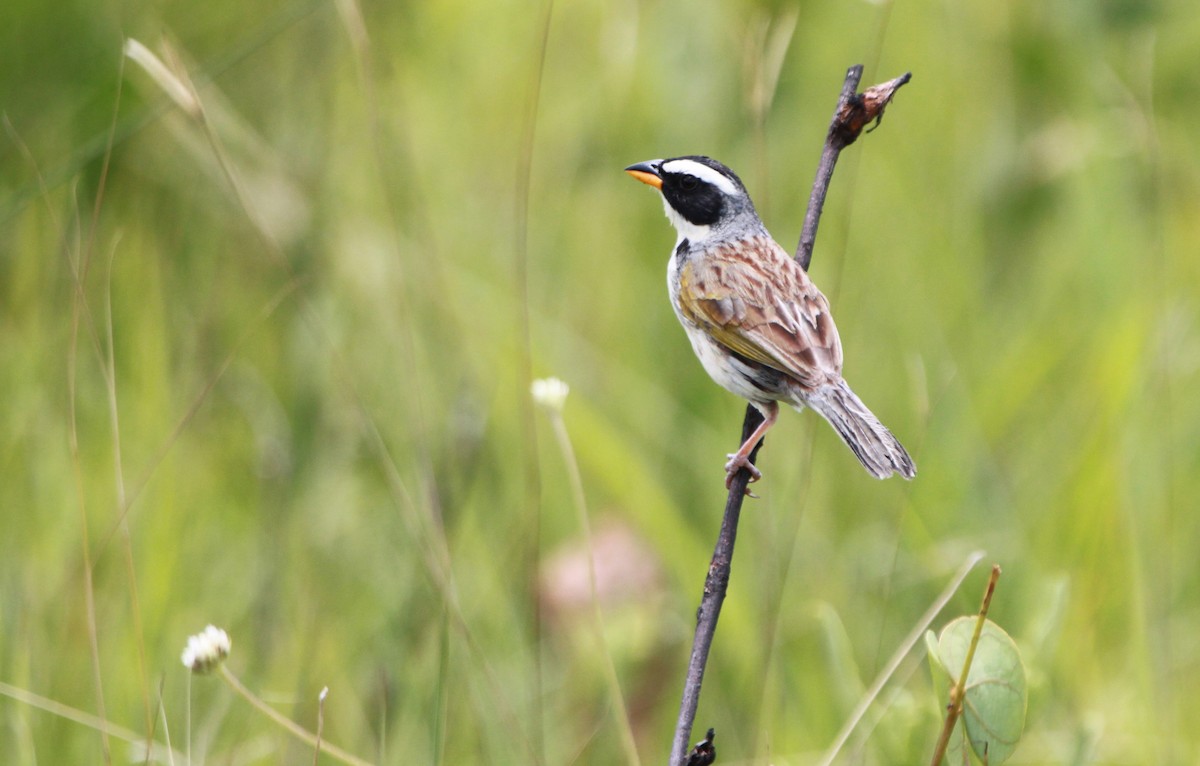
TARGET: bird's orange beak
(647,173)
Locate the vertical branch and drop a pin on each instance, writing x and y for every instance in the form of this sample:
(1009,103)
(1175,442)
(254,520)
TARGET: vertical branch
(854,112)
(834,143)
(715,585)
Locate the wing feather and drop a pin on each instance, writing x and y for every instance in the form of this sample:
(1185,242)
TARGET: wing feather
(755,300)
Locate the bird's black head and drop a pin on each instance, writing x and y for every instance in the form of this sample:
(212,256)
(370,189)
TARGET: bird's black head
(700,190)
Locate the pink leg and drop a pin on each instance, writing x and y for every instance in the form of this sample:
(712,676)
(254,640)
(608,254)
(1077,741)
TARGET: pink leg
(741,458)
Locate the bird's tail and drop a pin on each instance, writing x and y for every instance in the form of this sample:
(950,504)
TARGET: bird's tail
(870,441)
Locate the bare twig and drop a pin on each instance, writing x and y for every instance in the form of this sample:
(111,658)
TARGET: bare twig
(714,595)
(854,112)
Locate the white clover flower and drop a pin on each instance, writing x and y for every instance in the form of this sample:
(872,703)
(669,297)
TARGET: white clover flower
(206,650)
(550,393)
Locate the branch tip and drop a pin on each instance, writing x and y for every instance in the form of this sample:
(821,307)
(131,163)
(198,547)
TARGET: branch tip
(860,110)
(704,753)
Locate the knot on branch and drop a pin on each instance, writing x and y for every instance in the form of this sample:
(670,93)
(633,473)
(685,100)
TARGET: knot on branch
(704,753)
(860,109)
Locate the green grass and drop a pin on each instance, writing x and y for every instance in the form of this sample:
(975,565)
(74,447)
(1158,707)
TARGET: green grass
(324,432)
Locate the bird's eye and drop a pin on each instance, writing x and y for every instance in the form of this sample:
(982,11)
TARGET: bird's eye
(689,183)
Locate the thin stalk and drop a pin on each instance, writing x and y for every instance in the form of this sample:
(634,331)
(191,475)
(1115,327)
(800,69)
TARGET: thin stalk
(533,504)
(610,670)
(905,647)
(958,692)
(290,726)
(157,752)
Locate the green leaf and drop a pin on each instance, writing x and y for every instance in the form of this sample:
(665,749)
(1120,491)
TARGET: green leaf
(997,694)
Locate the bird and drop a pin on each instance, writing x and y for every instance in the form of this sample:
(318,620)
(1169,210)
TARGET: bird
(760,327)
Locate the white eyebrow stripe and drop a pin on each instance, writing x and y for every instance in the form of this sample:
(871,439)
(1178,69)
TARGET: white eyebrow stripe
(701,171)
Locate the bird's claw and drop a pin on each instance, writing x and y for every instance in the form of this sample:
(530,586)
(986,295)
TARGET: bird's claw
(736,463)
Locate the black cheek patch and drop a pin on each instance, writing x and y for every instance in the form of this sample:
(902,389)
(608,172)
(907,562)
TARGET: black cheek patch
(700,206)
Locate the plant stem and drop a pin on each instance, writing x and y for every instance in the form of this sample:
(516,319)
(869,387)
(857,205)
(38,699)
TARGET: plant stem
(624,725)
(902,651)
(958,692)
(293,728)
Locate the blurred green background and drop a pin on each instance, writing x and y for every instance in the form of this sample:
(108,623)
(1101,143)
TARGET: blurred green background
(301,410)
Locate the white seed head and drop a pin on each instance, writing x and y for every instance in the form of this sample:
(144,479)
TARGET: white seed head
(550,393)
(206,650)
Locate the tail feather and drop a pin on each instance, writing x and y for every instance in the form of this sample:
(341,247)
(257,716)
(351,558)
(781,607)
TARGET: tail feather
(870,441)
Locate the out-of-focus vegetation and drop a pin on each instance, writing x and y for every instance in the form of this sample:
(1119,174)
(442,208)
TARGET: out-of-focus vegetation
(303,415)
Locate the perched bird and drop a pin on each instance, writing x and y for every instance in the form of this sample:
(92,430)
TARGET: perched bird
(760,326)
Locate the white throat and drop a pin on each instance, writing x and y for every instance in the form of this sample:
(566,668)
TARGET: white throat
(686,229)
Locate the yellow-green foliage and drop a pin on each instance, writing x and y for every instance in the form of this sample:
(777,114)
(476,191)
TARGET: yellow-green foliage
(317,412)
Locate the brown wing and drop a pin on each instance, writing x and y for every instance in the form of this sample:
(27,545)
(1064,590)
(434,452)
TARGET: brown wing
(755,300)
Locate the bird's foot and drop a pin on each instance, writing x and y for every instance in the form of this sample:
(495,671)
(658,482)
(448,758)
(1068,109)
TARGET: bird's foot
(738,461)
